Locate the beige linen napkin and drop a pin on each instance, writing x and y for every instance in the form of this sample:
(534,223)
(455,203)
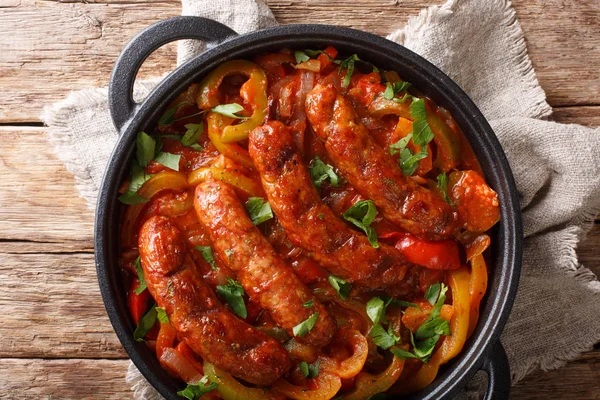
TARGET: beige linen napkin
(479,44)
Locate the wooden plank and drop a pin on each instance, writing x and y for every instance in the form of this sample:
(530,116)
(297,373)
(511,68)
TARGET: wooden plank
(52,308)
(38,199)
(50,48)
(64,379)
(104,379)
(587,116)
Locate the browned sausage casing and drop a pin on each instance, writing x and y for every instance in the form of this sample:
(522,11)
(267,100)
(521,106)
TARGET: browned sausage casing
(195,312)
(266,278)
(308,222)
(372,172)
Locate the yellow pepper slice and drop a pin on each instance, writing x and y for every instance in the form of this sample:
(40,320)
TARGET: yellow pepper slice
(254,91)
(459,281)
(217,123)
(236,179)
(230,389)
(368,385)
(161,181)
(477,287)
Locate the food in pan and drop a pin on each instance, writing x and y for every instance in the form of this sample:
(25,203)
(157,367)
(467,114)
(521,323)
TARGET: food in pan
(304,226)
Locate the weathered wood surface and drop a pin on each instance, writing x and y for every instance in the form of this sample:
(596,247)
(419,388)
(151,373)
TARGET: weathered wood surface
(69,46)
(103,379)
(56,340)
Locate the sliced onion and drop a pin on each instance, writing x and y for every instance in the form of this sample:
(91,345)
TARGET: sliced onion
(176,363)
(307,82)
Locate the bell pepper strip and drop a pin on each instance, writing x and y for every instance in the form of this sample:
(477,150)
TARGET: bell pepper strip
(328,295)
(176,364)
(161,181)
(477,288)
(477,204)
(382,106)
(248,186)
(327,385)
(138,303)
(253,91)
(459,326)
(166,338)
(448,144)
(477,245)
(230,389)
(442,255)
(216,125)
(301,352)
(352,340)
(367,385)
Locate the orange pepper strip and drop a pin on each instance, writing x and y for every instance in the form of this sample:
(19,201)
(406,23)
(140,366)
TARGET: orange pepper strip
(459,326)
(368,385)
(161,181)
(254,91)
(216,123)
(352,365)
(327,386)
(477,288)
(230,389)
(240,181)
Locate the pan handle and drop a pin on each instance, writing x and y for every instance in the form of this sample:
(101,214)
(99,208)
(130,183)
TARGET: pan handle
(120,91)
(498,369)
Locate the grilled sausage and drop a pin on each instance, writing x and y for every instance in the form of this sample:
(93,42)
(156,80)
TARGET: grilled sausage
(372,172)
(266,278)
(308,222)
(200,319)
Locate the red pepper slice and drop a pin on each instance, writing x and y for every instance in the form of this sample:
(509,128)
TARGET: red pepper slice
(440,255)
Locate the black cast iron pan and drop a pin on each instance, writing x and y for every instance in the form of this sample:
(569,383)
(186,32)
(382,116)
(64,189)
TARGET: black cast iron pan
(482,351)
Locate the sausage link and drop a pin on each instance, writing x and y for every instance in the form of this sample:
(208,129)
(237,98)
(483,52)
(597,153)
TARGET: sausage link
(372,172)
(308,222)
(201,321)
(267,279)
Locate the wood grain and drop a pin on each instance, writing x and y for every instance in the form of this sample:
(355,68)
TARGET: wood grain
(72,378)
(37,68)
(38,199)
(63,379)
(51,308)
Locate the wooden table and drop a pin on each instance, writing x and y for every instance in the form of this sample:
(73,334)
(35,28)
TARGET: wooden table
(55,338)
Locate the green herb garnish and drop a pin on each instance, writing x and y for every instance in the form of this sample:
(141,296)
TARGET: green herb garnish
(146,323)
(320,172)
(362,214)
(233,294)
(140,273)
(305,326)
(162,316)
(168,160)
(309,370)
(341,286)
(259,210)
(196,390)
(229,110)
(442,181)
(207,254)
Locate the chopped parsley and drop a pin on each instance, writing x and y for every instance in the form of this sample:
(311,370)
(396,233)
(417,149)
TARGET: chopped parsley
(309,370)
(382,338)
(140,273)
(320,172)
(145,324)
(305,326)
(168,160)
(229,110)
(259,210)
(309,303)
(233,294)
(340,285)
(168,117)
(442,181)
(196,390)
(391,89)
(348,63)
(207,254)
(162,316)
(362,214)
